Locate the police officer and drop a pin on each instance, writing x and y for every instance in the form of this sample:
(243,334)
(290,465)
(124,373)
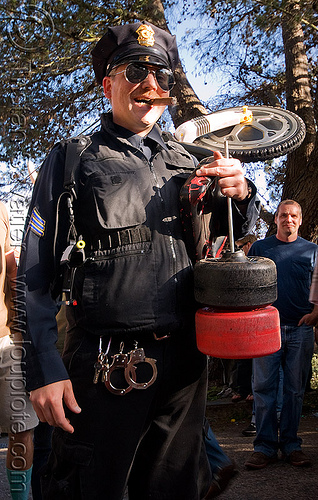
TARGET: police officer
(128,399)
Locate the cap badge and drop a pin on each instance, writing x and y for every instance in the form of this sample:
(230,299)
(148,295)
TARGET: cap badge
(146,35)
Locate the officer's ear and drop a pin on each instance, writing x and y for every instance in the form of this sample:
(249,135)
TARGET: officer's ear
(107,86)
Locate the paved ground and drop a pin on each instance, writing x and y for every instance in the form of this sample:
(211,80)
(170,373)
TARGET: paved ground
(279,481)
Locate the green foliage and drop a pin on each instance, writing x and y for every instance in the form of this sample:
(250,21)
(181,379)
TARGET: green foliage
(48,89)
(242,39)
(47,83)
(314,378)
(241,42)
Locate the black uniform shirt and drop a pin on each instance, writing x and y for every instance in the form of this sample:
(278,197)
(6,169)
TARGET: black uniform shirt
(151,285)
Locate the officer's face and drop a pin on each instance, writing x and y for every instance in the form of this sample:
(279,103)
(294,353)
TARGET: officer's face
(128,100)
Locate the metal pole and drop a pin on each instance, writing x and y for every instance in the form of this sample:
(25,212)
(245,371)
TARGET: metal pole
(229,207)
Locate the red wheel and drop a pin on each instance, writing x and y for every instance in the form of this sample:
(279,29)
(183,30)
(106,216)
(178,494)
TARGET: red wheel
(238,335)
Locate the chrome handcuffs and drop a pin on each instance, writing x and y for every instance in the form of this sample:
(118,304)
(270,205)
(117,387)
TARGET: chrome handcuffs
(126,362)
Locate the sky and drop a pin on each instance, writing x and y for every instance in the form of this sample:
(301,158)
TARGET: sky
(204,86)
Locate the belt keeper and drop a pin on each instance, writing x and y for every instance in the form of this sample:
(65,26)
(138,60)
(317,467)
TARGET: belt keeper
(163,336)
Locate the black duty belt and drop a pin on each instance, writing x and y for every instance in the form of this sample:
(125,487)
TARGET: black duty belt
(114,239)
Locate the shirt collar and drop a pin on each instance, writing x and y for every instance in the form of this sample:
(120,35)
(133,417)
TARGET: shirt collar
(135,139)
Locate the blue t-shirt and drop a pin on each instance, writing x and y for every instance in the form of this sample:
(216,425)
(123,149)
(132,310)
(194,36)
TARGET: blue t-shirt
(295,262)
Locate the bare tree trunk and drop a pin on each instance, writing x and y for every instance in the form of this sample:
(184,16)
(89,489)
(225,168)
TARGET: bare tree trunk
(301,180)
(189,105)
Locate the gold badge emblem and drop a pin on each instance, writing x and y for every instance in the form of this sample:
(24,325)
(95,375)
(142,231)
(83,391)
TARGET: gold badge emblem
(146,35)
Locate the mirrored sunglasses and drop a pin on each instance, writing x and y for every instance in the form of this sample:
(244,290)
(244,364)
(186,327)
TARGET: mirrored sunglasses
(137,73)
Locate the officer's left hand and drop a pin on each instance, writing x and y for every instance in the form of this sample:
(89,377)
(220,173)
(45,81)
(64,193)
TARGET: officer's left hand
(230,173)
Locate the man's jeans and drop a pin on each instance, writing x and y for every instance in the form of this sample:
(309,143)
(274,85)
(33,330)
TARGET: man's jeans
(295,357)
(216,456)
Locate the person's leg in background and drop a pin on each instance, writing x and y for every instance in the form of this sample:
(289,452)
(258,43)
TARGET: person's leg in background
(266,377)
(19,464)
(251,429)
(244,380)
(17,418)
(222,467)
(297,361)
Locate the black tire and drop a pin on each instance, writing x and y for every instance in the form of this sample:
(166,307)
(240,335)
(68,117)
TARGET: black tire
(235,283)
(273,132)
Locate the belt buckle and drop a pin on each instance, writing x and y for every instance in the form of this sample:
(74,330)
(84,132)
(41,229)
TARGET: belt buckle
(161,338)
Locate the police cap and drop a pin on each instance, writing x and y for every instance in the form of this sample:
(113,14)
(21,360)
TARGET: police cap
(137,42)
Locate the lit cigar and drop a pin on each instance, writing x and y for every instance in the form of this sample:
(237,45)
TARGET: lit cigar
(163,101)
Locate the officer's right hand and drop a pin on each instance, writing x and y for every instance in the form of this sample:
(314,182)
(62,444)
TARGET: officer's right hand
(230,176)
(48,404)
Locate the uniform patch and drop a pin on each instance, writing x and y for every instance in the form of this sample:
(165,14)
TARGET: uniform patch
(37,224)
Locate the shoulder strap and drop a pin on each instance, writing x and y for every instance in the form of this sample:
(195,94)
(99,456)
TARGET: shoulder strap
(74,149)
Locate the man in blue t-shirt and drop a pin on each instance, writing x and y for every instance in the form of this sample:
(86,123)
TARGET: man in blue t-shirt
(295,260)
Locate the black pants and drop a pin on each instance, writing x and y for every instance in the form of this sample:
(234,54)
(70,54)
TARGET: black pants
(150,440)
(42,448)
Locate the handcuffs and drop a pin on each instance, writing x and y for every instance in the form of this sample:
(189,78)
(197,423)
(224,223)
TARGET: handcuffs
(126,362)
